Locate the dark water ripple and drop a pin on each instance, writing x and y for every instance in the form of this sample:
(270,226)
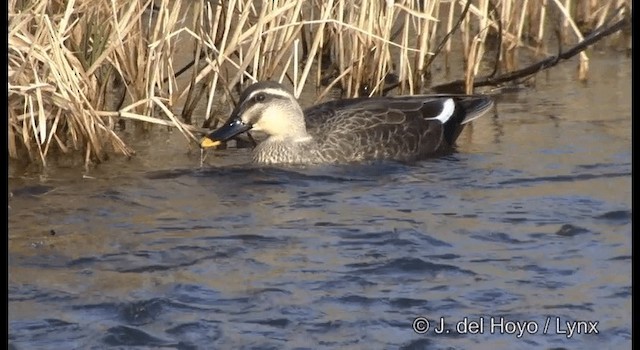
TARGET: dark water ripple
(32,292)
(569,230)
(406,266)
(202,332)
(46,333)
(564,178)
(146,260)
(499,237)
(616,216)
(130,336)
(32,190)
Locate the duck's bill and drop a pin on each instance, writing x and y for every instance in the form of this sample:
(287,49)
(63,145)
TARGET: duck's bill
(224,133)
(206,142)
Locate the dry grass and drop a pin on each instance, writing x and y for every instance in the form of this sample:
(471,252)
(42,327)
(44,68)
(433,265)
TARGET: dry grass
(68,59)
(65,57)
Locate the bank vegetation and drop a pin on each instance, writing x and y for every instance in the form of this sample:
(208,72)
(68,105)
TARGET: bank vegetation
(82,70)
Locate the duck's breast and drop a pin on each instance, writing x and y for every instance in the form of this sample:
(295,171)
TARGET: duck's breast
(286,152)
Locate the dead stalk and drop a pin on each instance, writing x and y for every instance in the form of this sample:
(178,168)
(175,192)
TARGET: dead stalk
(61,64)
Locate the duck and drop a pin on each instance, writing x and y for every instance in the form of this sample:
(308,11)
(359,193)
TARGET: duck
(401,128)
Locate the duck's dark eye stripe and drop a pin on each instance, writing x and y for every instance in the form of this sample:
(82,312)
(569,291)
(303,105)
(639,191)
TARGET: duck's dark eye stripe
(262,97)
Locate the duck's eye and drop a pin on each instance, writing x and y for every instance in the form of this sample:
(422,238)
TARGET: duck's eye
(260,97)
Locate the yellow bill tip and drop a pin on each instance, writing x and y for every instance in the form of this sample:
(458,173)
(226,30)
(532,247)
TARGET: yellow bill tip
(208,143)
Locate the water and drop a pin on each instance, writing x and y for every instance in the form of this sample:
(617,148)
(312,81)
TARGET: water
(528,223)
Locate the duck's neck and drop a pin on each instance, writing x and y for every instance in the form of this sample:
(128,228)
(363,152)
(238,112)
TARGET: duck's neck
(296,129)
(293,138)
(283,150)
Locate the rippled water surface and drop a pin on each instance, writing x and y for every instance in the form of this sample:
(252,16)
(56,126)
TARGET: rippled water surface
(528,223)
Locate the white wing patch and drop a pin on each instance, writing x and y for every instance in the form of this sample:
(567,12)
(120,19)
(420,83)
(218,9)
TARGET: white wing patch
(448,107)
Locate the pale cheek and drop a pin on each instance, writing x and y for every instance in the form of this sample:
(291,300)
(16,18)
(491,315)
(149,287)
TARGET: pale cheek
(270,126)
(257,127)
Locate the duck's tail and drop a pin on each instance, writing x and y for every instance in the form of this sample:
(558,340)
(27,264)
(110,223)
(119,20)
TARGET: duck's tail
(475,107)
(467,109)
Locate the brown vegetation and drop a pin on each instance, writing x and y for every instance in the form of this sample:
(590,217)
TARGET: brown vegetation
(79,69)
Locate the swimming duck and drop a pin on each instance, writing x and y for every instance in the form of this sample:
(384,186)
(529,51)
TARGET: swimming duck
(401,128)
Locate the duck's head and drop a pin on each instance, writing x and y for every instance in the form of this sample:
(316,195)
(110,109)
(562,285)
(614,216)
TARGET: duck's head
(264,106)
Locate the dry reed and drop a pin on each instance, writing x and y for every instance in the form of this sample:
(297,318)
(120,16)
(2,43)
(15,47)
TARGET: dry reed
(66,59)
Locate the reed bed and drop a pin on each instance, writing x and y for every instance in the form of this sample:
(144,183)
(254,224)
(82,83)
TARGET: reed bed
(81,69)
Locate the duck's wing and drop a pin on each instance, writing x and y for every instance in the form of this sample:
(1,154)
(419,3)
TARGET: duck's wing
(318,114)
(376,132)
(430,106)
(466,109)
(404,127)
